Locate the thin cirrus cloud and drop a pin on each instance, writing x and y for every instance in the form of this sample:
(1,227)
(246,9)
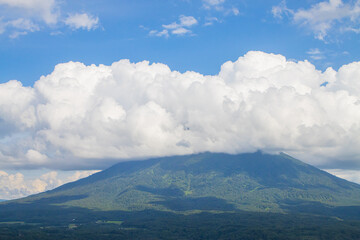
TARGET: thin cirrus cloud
(323,17)
(26,16)
(88,117)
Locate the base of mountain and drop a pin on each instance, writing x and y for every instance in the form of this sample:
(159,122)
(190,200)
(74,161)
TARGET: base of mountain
(77,223)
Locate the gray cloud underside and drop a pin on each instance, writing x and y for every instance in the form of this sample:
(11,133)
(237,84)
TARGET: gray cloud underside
(88,117)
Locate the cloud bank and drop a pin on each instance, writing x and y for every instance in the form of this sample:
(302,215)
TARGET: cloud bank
(88,117)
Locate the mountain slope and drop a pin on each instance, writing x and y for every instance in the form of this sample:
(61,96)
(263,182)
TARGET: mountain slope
(207,181)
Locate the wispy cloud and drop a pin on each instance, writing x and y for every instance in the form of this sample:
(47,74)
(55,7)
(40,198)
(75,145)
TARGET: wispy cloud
(234,11)
(217,4)
(163,33)
(26,16)
(280,10)
(181,27)
(315,54)
(210,21)
(20,27)
(82,21)
(221,6)
(323,17)
(24,24)
(215,10)
(47,9)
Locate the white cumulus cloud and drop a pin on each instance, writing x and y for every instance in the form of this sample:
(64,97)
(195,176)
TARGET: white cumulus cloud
(88,117)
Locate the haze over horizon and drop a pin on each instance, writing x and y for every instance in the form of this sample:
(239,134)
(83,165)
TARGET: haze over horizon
(193,76)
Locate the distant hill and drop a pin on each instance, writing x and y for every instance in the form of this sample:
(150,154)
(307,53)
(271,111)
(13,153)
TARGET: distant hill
(208,182)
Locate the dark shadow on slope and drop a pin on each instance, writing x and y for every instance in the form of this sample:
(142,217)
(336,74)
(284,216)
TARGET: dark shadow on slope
(309,207)
(165,192)
(58,199)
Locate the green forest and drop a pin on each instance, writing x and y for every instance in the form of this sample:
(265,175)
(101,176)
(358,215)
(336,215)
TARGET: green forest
(157,225)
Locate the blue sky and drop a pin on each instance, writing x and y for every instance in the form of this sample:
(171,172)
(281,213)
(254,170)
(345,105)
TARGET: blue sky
(255,78)
(123,28)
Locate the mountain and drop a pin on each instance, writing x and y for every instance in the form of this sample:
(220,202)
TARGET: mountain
(208,182)
(201,196)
